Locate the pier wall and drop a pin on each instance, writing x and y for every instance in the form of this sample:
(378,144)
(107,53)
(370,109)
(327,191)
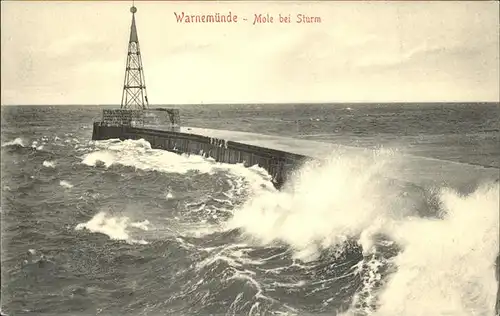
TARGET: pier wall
(279,164)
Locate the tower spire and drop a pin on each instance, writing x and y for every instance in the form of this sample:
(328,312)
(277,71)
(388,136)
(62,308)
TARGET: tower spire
(134,87)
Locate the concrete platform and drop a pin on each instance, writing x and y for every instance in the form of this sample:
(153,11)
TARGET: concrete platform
(421,171)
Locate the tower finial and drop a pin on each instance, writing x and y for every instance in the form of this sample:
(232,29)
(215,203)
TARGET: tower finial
(133,9)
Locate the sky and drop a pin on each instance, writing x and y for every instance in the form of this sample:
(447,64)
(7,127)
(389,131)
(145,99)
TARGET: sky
(75,52)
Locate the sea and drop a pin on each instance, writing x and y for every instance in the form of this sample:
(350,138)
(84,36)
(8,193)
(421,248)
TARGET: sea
(117,228)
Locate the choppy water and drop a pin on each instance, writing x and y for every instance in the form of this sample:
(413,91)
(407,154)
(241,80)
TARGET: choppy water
(116,228)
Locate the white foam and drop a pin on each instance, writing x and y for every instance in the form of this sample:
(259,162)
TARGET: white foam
(141,225)
(115,227)
(107,158)
(138,154)
(18,141)
(169,195)
(236,256)
(365,299)
(35,145)
(65,184)
(49,164)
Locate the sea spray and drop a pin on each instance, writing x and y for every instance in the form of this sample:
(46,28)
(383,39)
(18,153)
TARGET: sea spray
(326,204)
(446,266)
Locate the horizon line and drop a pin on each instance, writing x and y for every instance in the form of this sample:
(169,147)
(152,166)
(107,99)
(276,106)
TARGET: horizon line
(263,103)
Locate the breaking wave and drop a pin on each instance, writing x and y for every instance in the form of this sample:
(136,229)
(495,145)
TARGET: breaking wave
(140,155)
(115,227)
(445,262)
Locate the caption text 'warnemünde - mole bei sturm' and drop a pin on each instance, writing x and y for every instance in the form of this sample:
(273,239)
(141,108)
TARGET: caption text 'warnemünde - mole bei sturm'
(257,18)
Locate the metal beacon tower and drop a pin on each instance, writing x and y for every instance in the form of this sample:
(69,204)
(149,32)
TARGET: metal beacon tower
(135,114)
(134,96)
